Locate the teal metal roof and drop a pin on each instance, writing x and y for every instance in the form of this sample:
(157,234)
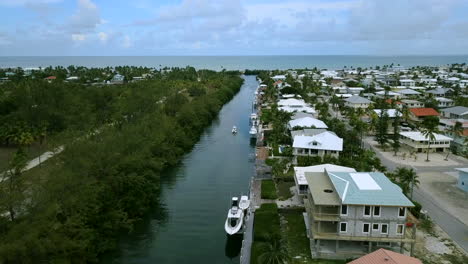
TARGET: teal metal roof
(367,188)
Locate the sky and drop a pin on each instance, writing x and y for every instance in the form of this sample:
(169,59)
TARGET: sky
(233,27)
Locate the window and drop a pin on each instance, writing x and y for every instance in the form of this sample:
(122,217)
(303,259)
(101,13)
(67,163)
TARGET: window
(401,212)
(367,210)
(343,227)
(375,227)
(376,210)
(384,229)
(365,228)
(400,229)
(344,209)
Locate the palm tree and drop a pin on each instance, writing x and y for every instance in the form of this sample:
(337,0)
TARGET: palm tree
(273,251)
(429,134)
(455,131)
(407,179)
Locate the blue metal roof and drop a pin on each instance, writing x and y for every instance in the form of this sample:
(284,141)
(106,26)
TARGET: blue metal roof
(373,189)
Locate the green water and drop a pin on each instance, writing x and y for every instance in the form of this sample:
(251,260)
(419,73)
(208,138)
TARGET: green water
(196,195)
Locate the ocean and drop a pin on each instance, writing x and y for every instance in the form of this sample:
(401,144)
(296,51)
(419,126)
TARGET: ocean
(232,62)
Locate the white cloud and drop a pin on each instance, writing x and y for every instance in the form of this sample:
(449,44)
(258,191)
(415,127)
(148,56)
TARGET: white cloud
(78,37)
(86,18)
(103,37)
(24,2)
(127,42)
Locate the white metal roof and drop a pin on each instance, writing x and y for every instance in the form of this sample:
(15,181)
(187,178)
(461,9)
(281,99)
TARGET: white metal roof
(418,136)
(364,181)
(307,122)
(325,141)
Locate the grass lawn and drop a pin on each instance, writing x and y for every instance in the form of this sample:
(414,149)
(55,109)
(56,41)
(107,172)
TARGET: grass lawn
(268,190)
(298,243)
(266,223)
(284,191)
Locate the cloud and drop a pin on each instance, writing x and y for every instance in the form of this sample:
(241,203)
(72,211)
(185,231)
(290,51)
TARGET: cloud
(78,37)
(126,42)
(24,2)
(86,18)
(103,37)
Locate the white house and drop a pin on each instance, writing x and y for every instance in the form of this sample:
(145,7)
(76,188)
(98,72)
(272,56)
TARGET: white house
(444,102)
(306,122)
(389,94)
(279,77)
(412,103)
(357,101)
(292,105)
(407,82)
(325,143)
(416,141)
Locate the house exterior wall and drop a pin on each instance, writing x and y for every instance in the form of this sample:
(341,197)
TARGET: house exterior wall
(356,105)
(423,144)
(315,152)
(356,219)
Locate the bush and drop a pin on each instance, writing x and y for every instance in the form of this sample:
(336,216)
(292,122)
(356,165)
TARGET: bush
(416,210)
(268,190)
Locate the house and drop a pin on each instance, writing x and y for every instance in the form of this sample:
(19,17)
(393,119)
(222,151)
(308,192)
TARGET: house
(350,214)
(452,80)
(458,144)
(388,94)
(418,114)
(306,122)
(321,144)
(409,93)
(302,187)
(444,102)
(72,78)
(440,91)
(407,82)
(292,105)
(392,113)
(357,101)
(279,77)
(428,81)
(297,115)
(463,179)
(412,103)
(417,142)
(50,79)
(456,112)
(355,90)
(118,79)
(383,256)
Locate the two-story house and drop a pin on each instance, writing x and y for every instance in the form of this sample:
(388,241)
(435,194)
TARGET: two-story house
(321,144)
(352,213)
(417,142)
(357,101)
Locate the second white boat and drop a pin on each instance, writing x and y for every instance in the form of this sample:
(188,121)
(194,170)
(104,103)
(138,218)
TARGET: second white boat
(235,218)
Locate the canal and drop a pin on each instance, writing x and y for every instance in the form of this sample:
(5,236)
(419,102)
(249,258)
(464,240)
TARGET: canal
(195,196)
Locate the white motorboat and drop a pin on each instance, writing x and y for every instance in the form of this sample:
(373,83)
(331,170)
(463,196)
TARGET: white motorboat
(253,118)
(234,130)
(244,202)
(235,218)
(253,132)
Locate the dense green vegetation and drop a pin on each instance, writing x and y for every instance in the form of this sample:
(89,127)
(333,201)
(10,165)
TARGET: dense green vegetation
(266,230)
(118,139)
(268,190)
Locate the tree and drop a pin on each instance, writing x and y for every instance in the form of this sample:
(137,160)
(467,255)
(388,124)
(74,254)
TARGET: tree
(407,179)
(396,133)
(273,251)
(382,128)
(12,184)
(429,134)
(455,131)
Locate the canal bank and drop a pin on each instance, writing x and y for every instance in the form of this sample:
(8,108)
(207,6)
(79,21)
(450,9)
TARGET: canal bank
(195,196)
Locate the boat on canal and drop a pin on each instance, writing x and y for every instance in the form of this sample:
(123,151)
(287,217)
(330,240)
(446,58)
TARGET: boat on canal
(253,132)
(235,218)
(244,202)
(234,130)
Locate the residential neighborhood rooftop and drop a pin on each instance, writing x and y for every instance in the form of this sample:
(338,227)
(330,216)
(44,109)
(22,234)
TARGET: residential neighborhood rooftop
(383,256)
(424,112)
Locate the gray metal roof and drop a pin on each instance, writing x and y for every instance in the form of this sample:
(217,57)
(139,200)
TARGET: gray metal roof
(458,110)
(367,188)
(356,99)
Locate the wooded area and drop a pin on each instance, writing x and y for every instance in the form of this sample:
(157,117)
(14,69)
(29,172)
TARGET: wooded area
(118,140)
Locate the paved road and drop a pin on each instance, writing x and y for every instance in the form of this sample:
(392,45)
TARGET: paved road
(457,230)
